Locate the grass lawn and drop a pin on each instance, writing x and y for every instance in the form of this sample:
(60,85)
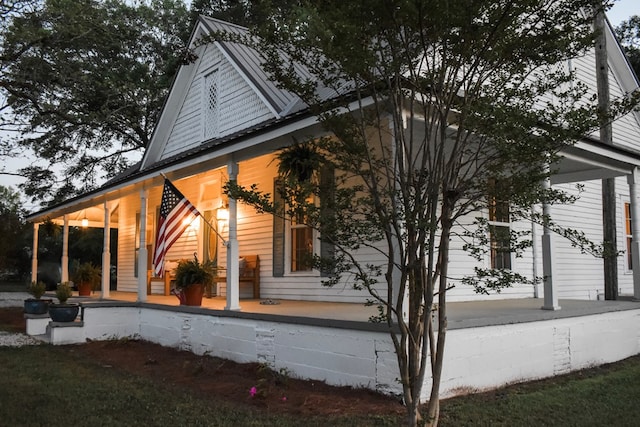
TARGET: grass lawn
(602,396)
(69,385)
(46,385)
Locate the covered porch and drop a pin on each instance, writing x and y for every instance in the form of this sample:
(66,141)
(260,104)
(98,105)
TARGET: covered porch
(467,314)
(122,203)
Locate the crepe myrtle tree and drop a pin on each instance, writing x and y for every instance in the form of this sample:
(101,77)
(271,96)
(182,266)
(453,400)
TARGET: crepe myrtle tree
(444,111)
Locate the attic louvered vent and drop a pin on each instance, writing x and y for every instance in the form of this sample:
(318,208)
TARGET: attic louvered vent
(211,106)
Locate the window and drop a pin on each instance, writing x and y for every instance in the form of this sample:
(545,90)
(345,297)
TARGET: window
(301,245)
(628,234)
(499,227)
(211,104)
(136,254)
(294,242)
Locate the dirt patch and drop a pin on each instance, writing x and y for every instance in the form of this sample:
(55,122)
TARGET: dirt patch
(12,319)
(250,384)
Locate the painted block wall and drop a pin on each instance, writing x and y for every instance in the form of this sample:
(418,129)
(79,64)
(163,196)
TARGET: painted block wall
(489,357)
(476,358)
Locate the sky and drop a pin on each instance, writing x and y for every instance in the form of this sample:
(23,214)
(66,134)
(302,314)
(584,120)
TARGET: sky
(621,10)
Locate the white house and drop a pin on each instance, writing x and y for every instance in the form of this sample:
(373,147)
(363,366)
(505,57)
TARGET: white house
(223,119)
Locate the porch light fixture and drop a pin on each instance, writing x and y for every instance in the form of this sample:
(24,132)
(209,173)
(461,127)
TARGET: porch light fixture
(194,224)
(222,213)
(85,221)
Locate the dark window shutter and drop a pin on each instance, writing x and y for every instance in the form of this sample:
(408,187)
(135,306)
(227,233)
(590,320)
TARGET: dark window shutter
(327,201)
(278,231)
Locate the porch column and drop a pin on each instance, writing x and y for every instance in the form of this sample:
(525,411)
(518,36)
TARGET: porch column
(64,262)
(142,252)
(634,180)
(548,262)
(34,257)
(233,285)
(106,253)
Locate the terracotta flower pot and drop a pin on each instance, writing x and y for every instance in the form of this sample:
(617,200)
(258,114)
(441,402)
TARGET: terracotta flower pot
(193,295)
(84,289)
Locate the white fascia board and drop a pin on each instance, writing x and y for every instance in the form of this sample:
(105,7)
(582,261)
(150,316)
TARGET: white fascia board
(170,110)
(605,152)
(622,168)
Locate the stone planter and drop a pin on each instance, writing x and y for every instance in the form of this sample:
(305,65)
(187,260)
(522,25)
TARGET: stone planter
(63,312)
(36,306)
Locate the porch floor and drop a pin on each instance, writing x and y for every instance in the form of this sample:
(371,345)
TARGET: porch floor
(460,314)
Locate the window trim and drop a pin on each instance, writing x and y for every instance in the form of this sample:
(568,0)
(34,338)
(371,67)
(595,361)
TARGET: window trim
(288,250)
(628,235)
(493,222)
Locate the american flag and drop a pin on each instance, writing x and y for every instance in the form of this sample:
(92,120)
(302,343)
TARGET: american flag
(176,213)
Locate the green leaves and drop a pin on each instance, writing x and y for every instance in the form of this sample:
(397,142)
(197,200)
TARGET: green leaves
(628,33)
(86,80)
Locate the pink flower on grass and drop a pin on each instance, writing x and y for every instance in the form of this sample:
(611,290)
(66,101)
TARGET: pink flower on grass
(253,391)
(284,398)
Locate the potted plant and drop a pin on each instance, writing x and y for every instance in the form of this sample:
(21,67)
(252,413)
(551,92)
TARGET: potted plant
(63,312)
(87,277)
(36,305)
(299,161)
(191,277)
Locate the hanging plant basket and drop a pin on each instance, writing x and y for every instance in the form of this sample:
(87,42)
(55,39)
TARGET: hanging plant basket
(299,161)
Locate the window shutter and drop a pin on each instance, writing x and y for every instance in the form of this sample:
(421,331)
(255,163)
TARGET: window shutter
(327,201)
(278,231)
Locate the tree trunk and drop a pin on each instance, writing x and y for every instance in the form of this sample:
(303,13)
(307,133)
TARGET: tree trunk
(433,408)
(608,184)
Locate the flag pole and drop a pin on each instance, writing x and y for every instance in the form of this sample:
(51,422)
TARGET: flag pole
(214,229)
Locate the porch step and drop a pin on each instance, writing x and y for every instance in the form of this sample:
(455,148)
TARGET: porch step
(44,338)
(37,323)
(60,333)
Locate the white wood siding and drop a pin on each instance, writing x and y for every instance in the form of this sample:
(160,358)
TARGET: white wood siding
(126,242)
(577,275)
(625,129)
(239,106)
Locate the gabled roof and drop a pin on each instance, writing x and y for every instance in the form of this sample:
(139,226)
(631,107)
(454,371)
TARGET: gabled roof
(246,61)
(249,62)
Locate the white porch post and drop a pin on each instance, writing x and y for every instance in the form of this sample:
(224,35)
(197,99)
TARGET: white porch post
(64,262)
(142,252)
(233,285)
(634,180)
(34,257)
(548,262)
(106,253)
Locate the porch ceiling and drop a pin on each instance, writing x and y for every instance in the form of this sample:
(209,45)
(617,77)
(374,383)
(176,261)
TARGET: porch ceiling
(589,160)
(93,214)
